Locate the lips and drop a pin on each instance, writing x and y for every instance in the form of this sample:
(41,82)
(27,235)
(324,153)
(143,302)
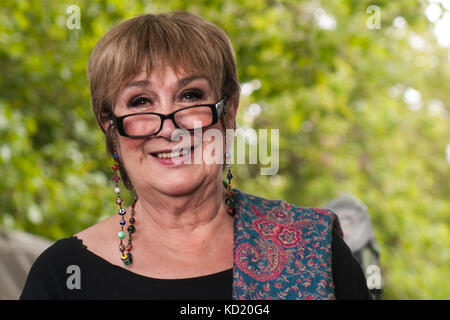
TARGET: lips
(173,154)
(168,153)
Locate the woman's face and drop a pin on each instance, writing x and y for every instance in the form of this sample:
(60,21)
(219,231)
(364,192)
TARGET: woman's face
(148,161)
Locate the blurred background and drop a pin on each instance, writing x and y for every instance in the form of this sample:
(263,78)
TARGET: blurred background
(360,91)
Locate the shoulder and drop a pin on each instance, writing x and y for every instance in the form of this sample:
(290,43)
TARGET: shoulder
(95,234)
(50,268)
(49,273)
(98,238)
(348,277)
(254,208)
(58,252)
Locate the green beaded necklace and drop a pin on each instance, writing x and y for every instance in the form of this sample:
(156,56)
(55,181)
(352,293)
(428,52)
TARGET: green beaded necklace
(125,256)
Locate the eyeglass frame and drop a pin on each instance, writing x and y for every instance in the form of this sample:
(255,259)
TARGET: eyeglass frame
(216,108)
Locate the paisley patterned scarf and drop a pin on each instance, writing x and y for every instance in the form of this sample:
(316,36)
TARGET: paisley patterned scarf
(281,251)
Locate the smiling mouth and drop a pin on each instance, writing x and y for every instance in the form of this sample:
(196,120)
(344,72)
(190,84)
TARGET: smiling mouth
(174,154)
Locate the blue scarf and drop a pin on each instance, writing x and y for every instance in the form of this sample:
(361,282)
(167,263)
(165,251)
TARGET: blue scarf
(281,251)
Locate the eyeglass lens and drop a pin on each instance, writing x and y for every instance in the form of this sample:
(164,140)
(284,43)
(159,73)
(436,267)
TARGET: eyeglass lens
(147,124)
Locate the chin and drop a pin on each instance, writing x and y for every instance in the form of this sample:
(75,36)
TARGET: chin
(174,180)
(177,183)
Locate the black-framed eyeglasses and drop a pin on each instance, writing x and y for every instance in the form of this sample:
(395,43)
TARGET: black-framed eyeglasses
(146,124)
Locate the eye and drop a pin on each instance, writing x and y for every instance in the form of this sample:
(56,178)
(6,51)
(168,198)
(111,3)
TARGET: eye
(192,95)
(139,102)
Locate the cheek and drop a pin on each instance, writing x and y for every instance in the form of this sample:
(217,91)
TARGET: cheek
(214,149)
(130,149)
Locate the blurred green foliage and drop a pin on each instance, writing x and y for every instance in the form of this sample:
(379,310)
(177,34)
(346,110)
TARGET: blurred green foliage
(359,109)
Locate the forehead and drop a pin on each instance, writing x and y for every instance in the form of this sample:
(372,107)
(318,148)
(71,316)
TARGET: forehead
(166,76)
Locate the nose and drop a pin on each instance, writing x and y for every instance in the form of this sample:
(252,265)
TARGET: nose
(167,128)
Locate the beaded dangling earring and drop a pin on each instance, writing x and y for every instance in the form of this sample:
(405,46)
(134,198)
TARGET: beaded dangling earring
(229,197)
(125,256)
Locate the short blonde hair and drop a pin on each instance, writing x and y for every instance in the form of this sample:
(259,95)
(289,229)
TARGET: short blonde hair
(180,39)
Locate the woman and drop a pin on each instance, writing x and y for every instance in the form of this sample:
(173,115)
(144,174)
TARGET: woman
(185,236)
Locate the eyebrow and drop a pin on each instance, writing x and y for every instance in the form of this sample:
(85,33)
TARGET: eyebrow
(140,83)
(181,83)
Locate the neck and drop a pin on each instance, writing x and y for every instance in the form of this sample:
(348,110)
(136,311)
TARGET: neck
(191,224)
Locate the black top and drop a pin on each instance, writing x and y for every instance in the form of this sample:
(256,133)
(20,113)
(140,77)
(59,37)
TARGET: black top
(55,272)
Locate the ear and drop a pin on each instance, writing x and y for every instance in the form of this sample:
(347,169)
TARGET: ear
(104,121)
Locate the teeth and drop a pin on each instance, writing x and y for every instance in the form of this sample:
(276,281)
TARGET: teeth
(173,154)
